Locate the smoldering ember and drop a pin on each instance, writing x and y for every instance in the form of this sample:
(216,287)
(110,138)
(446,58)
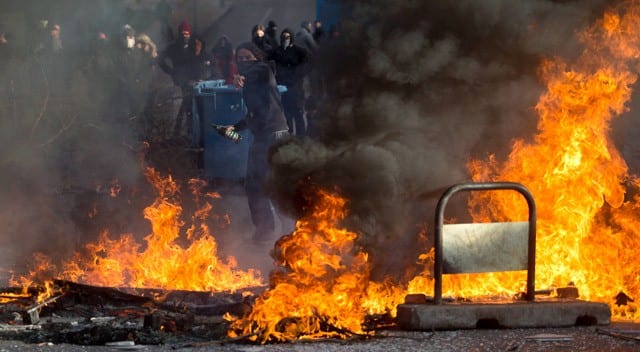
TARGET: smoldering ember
(360,174)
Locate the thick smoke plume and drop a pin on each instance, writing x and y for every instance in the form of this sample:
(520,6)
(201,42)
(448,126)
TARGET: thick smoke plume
(61,153)
(417,88)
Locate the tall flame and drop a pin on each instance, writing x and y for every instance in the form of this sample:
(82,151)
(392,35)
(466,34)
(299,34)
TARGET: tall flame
(322,285)
(585,227)
(162,262)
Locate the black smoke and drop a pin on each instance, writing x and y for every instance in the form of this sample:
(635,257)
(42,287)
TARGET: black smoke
(415,90)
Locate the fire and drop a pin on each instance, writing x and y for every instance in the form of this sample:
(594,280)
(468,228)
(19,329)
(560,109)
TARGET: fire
(42,271)
(322,284)
(586,229)
(321,287)
(162,262)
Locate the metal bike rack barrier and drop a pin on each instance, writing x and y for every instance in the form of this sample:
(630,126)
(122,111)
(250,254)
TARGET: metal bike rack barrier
(491,247)
(512,237)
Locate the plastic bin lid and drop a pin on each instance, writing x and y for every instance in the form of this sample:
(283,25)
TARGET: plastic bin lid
(205,87)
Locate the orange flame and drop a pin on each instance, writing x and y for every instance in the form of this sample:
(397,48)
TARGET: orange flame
(585,227)
(162,262)
(42,271)
(321,287)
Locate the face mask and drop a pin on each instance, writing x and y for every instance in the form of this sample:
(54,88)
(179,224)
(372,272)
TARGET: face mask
(286,43)
(245,66)
(131,42)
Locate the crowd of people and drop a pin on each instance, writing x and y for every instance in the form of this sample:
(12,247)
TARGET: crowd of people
(127,66)
(124,69)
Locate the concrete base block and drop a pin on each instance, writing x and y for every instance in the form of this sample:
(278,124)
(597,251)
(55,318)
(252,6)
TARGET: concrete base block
(536,314)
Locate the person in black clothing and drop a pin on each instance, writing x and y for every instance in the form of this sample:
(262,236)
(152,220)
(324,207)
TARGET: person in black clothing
(203,66)
(265,119)
(176,61)
(53,59)
(128,69)
(318,31)
(271,33)
(259,39)
(291,63)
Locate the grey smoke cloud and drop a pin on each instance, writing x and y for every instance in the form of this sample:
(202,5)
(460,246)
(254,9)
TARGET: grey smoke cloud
(418,90)
(59,151)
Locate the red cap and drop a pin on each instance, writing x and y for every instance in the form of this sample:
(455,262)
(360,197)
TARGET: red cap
(184,27)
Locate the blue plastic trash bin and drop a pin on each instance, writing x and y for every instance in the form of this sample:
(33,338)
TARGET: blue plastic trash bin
(214,102)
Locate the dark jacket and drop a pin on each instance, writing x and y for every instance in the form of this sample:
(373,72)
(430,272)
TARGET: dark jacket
(264,108)
(225,58)
(263,44)
(290,65)
(176,60)
(305,40)
(130,68)
(204,67)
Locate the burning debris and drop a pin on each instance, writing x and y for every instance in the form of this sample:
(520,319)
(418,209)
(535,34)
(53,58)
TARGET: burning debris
(123,262)
(330,279)
(573,148)
(321,286)
(90,315)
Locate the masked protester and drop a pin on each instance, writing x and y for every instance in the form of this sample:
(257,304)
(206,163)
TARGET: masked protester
(259,39)
(266,121)
(176,61)
(127,81)
(271,33)
(54,59)
(291,63)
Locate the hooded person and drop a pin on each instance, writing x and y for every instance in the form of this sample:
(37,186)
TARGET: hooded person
(146,44)
(271,33)
(127,37)
(266,121)
(259,39)
(176,61)
(129,69)
(318,31)
(184,33)
(291,64)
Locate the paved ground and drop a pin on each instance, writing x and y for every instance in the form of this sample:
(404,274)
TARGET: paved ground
(564,339)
